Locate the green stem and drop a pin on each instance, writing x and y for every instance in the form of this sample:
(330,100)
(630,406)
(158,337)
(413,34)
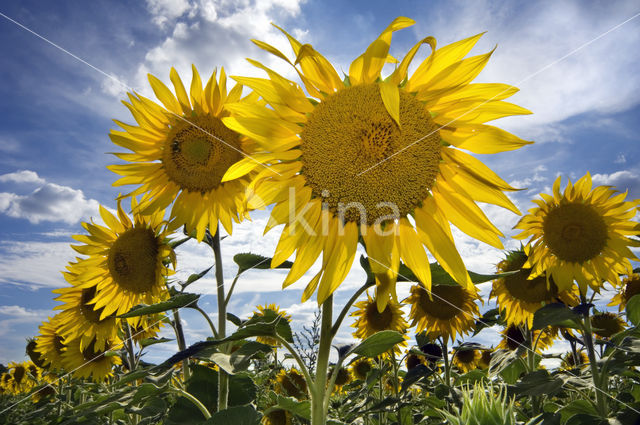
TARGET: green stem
(447,366)
(182,345)
(233,285)
(318,413)
(129,346)
(206,316)
(223,377)
(599,382)
(531,363)
(193,400)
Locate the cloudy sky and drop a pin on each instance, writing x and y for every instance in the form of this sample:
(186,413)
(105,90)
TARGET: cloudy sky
(67,65)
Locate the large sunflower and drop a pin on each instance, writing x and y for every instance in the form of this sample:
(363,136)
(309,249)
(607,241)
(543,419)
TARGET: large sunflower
(519,297)
(581,234)
(445,311)
(50,343)
(182,150)
(630,287)
(126,262)
(80,320)
(380,158)
(90,362)
(370,321)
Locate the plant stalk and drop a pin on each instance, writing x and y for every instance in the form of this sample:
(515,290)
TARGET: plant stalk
(599,382)
(318,412)
(223,377)
(182,345)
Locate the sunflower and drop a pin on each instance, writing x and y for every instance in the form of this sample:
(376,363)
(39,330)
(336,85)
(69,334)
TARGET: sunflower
(50,343)
(467,359)
(519,297)
(433,353)
(21,381)
(343,378)
(370,321)
(412,361)
(445,311)
(182,150)
(514,337)
(79,319)
(126,262)
(90,362)
(581,234)
(606,324)
(569,361)
(147,326)
(35,357)
(365,154)
(291,383)
(361,367)
(6,383)
(277,417)
(275,309)
(485,359)
(630,287)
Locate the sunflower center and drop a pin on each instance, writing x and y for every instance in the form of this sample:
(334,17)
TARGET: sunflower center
(362,368)
(86,309)
(343,377)
(58,344)
(18,373)
(631,288)
(606,324)
(379,321)
(447,301)
(198,153)
(277,417)
(466,356)
(575,232)
(90,353)
(294,385)
(527,290)
(133,260)
(361,162)
(514,337)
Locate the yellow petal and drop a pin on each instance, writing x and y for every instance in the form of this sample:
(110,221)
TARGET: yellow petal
(391,98)
(181,93)
(412,252)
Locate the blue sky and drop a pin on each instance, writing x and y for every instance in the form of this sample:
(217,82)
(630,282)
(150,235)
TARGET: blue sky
(575,63)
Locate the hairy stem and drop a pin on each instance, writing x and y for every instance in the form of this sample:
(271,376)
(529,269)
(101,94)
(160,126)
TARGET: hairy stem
(318,413)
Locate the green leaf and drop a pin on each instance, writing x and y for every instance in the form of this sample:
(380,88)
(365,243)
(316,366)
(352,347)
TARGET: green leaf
(414,375)
(234,319)
(537,383)
(241,358)
(151,341)
(555,314)
(577,407)
(299,408)
(377,344)
(238,415)
(194,277)
(247,261)
(633,310)
(177,301)
(440,277)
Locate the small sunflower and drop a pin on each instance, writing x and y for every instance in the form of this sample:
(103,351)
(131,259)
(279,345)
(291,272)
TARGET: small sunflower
(433,353)
(467,359)
(343,378)
(485,359)
(277,417)
(90,362)
(445,311)
(607,324)
(275,309)
(291,383)
(569,361)
(520,297)
(182,150)
(126,262)
(370,321)
(79,319)
(412,361)
(581,234)
(6,383)
(50,343)
(384,155)
(514,337)
(147,326)
(630,287)
(22,382)
(361,367)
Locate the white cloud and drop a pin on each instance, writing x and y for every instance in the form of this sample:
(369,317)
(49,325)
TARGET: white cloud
(622,180)
(12,315)
(621,159)
(34,264)
(165,11)
(48,202)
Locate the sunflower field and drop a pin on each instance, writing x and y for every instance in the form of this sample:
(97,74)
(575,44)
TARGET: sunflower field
(360,170)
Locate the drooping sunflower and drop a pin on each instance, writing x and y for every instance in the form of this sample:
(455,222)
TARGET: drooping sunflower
(370,321)
(606,324)
(275,309)
(467,359)
(277,417)
(79,319)
(581,234)
(90,363)
(361,367)
(514,337)
(291,383)
(445,311)
(181,150)
(630,287)
(35,357)
(21,381)
(377,157)
(413,360)
(126,262)
(50,343)
(569,361)
(519,297)
(343,378)
(485,359)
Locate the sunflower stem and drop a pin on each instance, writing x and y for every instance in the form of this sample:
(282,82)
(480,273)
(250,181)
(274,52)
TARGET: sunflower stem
(193,400)
(318,412)
(182,345)
(347,306)
(129,346)
(531,360)
(447,366)
(599,382)
(206,316)
(233,285)
(223,377)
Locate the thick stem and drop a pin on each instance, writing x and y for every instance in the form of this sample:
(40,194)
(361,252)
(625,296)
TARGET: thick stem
(599,382)
(128,343)
(447,366)
(195,401)
(531,366)
(223,378)
(318,413)
(182,345)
